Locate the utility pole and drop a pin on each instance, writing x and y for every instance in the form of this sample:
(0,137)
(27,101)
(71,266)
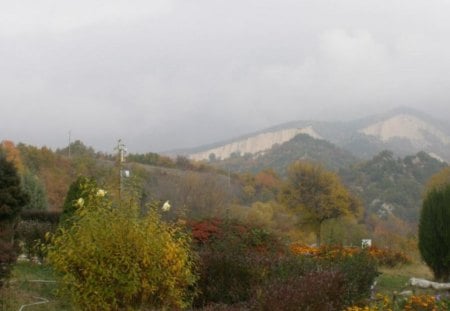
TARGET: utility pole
(121,151)
(70,134)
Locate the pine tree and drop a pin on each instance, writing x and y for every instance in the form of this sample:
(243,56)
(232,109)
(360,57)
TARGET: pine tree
(434,232)
(79,189)
(12,199)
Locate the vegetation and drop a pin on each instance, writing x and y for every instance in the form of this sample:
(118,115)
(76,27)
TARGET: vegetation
(111,258)
(12,199)
(81,188)
(318,194)
(434,232)
(388,185)
(279,157)
(223,245)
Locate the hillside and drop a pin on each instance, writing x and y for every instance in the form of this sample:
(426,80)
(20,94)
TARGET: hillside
(402,130)
(279,157)
(387,184)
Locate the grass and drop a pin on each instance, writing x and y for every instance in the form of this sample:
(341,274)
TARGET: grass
(395,280)
(22,289)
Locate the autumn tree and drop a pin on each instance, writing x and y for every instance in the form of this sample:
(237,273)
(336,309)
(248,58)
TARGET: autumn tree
(12,199)
(434,232)
(438,181)
(317,194)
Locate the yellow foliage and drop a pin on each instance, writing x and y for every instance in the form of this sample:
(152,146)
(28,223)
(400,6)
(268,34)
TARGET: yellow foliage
(111,258)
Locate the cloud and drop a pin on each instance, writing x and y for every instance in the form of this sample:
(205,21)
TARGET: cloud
(165,74)
(59,16)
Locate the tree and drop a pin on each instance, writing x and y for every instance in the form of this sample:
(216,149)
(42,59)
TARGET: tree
(35,190)
(113,258)
(12,199)
(317,194)
(438,181)
(434,232)
(81,188)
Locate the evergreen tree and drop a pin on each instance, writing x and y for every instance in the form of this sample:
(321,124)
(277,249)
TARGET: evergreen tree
(35,189)
(12,199)
(434,232)
(79,189)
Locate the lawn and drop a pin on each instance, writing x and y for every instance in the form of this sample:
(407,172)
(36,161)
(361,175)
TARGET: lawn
(30,283)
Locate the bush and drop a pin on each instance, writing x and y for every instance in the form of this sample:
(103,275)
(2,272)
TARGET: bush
(383,256)
(32,229)
(234,258)
(319,290)
(303,280)
(31,234)
(112,258)
(246,265)
(51,217)
(360,271)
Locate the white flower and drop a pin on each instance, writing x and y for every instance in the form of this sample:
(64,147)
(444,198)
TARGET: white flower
(166,206)
(101,193)
(80,202)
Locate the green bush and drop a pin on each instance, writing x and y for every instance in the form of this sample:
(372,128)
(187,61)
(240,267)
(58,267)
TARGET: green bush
(360,271)
(113,258)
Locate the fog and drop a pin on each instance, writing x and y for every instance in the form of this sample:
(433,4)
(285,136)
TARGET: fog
(165,74)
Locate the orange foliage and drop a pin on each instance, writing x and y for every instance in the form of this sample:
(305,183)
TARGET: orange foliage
(13,155)
(422,302)
(384,256)
(268,178)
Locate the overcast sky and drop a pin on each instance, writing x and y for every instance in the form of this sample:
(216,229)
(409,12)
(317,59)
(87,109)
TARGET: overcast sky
(165,74)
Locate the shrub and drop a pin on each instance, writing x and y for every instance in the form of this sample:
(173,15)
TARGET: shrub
(360,271)
(383,256)
(234,258)
(359,267)
(51,217)
(319,290)
(31,234)
(112,258)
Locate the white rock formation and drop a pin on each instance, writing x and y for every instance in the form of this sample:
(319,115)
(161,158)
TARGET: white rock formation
(422,283)
(405,126)
(255,144)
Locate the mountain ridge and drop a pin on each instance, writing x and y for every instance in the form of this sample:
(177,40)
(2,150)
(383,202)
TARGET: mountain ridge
(403,130)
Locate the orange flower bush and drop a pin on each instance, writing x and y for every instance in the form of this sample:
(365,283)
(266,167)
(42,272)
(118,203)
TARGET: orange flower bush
(413,303)
(383,256)
(424,303)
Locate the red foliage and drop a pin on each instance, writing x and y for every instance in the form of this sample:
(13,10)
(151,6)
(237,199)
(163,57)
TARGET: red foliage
(204,230)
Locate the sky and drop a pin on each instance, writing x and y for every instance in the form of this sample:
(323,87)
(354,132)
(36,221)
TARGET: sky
(169,74)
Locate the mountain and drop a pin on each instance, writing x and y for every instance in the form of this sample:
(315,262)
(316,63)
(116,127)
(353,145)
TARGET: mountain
(280,156)
(403,130)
